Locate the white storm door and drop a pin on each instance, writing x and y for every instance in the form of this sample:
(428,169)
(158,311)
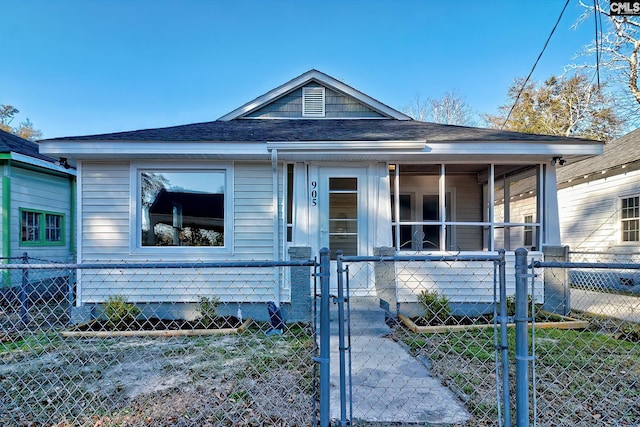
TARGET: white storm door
(343,219)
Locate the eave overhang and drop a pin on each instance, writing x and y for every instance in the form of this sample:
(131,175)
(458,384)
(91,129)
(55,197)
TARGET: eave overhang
(388,150)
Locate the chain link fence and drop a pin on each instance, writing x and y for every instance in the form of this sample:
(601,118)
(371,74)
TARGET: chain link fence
(155,344)
(582,364)
(420,343)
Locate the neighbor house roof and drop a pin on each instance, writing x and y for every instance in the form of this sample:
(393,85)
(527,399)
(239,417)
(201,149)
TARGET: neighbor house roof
(620,155)
(10,143)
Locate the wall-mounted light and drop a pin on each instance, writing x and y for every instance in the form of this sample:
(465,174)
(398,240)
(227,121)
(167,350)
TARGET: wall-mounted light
(63,162)
(558,160)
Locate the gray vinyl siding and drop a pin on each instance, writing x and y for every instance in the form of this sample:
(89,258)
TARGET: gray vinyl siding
(590,213)
(106,206)
(41,192)
(336,106)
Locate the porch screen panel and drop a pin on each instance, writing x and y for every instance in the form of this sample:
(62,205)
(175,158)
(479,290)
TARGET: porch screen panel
(343,216)
(430,212)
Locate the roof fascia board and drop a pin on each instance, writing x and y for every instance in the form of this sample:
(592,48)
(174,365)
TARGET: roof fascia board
(319,77)
(368,146)
(38,163)
(516,147)
(88,148)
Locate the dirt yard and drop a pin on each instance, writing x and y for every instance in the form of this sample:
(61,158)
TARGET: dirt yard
(229,380)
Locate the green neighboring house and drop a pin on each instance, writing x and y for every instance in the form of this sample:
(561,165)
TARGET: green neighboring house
(38,214)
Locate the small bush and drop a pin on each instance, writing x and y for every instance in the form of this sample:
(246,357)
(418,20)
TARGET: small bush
(119,312)
(511,306)
(208,311)
(436,307)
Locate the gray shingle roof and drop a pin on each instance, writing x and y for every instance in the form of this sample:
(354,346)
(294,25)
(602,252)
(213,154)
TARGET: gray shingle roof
(10,143)
(284,130)
(620,151)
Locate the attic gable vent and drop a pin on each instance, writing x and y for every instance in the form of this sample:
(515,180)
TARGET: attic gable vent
(313,101)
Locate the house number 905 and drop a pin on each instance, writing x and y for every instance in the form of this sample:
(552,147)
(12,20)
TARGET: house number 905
(314,193)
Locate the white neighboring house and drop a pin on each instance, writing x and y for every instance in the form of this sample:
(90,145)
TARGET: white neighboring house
(599,211)
(312,163)
(38,195)
(599,199)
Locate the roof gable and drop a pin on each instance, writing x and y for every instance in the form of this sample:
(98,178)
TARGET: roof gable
(342,101)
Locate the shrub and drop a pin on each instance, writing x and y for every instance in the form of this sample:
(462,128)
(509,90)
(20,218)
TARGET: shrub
(208,311)
(511,306)
(119,312)
(436,307)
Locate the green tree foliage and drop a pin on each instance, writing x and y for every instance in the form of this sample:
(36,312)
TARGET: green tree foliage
(563,106)
(24,130)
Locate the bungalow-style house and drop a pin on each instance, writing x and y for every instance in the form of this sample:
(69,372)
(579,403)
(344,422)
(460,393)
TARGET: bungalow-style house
(38,195)
(312,163)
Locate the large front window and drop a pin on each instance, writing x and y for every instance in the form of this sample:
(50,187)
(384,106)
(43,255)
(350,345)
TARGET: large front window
(182,207)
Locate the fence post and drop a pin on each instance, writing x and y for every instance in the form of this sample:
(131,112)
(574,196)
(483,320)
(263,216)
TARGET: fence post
(23,290)
(325,338)
(522,340)
(504,343)
(340,299)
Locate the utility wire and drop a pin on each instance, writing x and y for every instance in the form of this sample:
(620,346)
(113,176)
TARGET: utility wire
(534,66)
(596,15)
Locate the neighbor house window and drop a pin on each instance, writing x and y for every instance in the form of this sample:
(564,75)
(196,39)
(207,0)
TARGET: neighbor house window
(182,207)
(41,228)
(630,217)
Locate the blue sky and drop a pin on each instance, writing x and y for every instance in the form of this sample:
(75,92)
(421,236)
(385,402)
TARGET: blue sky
(94,66)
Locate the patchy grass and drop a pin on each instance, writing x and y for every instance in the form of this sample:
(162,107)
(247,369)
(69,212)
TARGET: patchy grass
(583,377)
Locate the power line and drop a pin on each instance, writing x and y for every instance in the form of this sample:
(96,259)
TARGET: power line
(534,66)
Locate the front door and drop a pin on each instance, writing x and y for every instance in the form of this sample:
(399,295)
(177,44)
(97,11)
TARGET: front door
(342,220)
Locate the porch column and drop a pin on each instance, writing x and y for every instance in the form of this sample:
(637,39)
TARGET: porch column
(382,216)
(300,205)
(551,217)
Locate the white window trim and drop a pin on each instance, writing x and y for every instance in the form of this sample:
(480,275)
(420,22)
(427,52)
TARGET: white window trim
(620,219)
(190,253)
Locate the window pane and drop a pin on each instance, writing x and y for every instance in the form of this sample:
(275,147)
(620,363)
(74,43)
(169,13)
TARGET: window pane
(184,208)
(343,216)
(289,206)
(54,228)
(343,184)
(30,227)
(630,214)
